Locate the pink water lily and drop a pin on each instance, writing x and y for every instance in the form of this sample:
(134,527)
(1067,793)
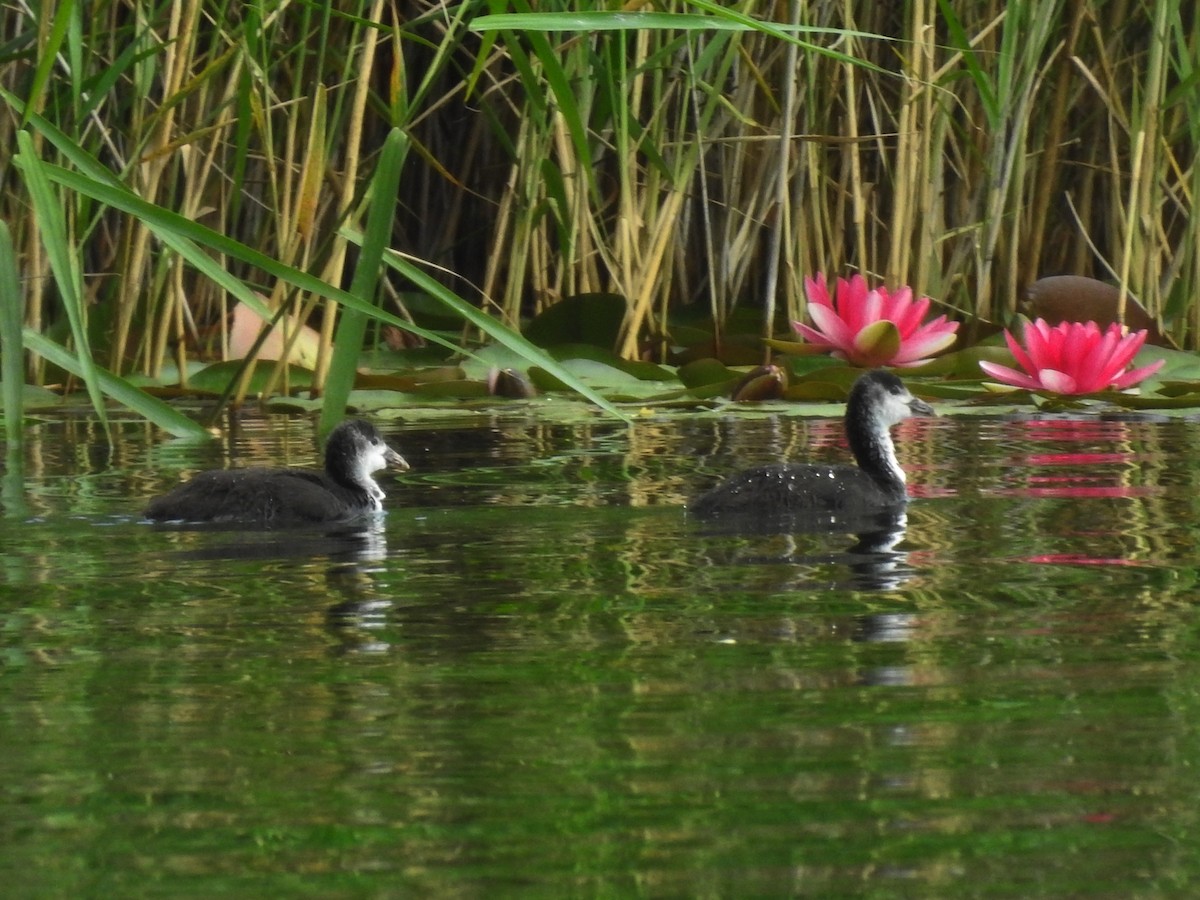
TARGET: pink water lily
(1073,358)
(873,327)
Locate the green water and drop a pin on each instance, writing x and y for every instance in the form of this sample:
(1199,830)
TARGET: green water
(536,678)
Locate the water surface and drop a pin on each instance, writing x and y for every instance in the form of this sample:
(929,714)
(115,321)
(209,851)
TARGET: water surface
(536,677)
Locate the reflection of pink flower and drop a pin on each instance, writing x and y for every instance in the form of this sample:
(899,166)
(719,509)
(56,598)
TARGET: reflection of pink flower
(1073,358)
(873,327)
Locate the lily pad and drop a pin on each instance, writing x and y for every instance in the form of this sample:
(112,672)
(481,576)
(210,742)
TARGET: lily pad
(216,378)
(582,319)
(35,397)
(795,348)
(706,371)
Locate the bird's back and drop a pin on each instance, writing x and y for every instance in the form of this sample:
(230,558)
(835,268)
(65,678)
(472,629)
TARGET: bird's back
(259,495)
(791,490)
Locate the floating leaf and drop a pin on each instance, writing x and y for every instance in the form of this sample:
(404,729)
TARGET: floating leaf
(796,348)
(582,319)
(762,383)
(706,371)
(215,379)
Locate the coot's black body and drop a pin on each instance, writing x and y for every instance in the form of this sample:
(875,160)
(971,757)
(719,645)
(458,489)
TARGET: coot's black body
(287,497)
(878,400)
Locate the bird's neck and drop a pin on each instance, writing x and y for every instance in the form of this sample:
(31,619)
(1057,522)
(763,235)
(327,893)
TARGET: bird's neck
(871,443)
(355,479)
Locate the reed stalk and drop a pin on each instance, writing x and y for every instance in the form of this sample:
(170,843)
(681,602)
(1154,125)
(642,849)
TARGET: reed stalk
(965,149)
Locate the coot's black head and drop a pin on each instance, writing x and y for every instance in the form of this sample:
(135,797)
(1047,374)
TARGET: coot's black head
(880,399)
(354,450)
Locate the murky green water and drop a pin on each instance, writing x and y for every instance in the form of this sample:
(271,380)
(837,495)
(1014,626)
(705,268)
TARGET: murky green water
(537,678)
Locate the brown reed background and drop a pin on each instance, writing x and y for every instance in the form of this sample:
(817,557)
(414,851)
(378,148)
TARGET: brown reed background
(962,148)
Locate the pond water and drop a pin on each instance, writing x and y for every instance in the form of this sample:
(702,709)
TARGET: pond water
(536,677)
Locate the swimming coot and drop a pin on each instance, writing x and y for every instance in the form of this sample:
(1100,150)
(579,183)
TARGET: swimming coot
(877,401)
(280,497)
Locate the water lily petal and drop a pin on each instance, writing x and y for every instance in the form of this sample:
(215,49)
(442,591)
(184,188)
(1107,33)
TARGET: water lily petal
(1019,353)
(1038,347)
(872,310)
(928,341)
(910,314)
(852,299)
(1074,357)
(872,326)
(830,324)
(1133,376)
(1086,356)
(1008,376)
(876,345)
(817,290)
(1127,348)
(1081,352)
(1059,382)
(812,335)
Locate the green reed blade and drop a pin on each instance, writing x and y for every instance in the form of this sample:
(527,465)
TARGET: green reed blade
(64,263)
(120,390)
(12,349)
(347,345)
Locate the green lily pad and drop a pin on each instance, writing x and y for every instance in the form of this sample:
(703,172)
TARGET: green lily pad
(817,392)
(706,371)
(582,319)
(34,397)
(216,378)
(795,348)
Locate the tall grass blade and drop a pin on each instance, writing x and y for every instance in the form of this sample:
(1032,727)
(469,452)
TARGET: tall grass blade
(48,53)
(12,348)
(347,345)
(497,331)
(64,263)
(120,390)
(183,235)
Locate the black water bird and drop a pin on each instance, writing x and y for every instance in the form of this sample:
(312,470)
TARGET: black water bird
(831,495)
(344,490)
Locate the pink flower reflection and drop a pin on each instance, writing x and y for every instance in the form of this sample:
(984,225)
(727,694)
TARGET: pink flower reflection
(1078,559)
(873,327)
(1078,460)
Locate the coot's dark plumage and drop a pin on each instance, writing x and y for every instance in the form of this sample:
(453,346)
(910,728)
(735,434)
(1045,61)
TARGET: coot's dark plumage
(282,497)
(878,400)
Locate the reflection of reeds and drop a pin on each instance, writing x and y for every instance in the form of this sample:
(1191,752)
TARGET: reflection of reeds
(964,151)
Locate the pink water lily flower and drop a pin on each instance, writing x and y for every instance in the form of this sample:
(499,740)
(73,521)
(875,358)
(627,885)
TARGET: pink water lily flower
(873,327)
(1073,358)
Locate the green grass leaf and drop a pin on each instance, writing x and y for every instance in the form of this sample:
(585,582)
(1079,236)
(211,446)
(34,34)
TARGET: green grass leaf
(151,408)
